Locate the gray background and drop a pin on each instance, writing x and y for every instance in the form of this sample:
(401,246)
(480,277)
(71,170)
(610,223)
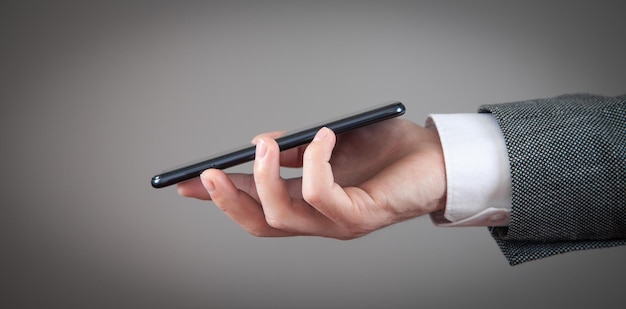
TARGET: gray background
(98,97)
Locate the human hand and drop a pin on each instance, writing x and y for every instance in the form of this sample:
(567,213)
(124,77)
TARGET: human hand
(351,184)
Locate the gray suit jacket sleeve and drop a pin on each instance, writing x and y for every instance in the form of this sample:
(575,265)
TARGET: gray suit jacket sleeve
(567,157)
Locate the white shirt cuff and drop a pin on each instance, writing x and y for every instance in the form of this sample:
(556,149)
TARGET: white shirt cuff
(477,170)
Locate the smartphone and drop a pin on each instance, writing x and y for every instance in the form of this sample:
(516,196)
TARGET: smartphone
(291,140)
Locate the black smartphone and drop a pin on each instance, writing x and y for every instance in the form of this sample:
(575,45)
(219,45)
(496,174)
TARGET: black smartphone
(291,140)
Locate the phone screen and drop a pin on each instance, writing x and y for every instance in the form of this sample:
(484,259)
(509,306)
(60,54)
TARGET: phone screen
(291,140)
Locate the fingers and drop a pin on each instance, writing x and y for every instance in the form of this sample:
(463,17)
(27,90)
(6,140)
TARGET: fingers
(267,205)
(281,210)
(194,187)
(288,158)
(270,186)
(237,205)
(318,185)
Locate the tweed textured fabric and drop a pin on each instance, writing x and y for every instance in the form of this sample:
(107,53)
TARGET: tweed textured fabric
(567,157)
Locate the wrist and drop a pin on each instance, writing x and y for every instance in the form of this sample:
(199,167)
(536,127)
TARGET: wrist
(439,170)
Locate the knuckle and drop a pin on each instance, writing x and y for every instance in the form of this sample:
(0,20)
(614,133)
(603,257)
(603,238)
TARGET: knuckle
(277,222)
(312,197)
(309,153)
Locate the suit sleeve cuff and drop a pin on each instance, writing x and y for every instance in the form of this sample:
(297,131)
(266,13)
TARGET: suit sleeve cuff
(477,170)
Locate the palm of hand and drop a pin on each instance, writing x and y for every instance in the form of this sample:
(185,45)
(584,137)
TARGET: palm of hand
(396,160)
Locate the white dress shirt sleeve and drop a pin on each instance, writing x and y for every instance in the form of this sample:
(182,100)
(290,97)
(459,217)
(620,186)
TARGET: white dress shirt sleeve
(477,170)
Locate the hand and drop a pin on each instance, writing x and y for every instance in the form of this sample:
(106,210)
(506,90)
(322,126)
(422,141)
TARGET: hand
(375,176)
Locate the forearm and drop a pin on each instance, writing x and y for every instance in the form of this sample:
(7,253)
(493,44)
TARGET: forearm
(565,166)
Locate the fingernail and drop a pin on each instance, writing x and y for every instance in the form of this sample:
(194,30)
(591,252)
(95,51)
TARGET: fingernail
(261,149)
(321,134)
(209,185)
